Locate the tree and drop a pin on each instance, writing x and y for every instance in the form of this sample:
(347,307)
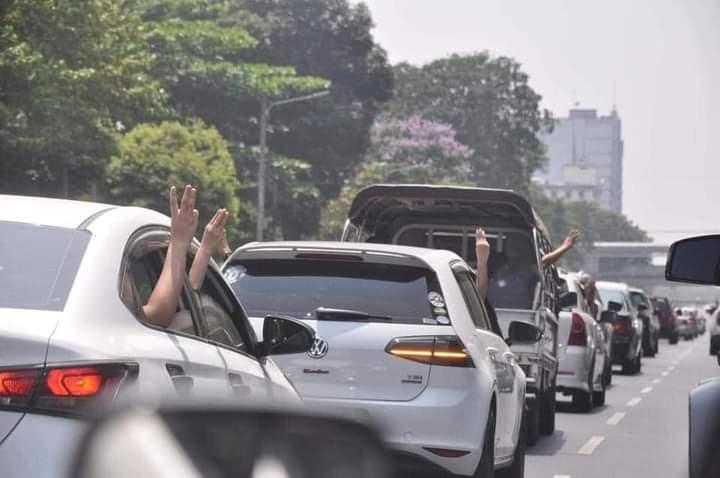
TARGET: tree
(153,157)
(71,73)
(412,150)
(491,106)
(594,224)
(331,39)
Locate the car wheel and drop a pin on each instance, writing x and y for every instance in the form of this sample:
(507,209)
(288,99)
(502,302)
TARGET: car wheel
(582,400)
(628,367)
(657,345)
(533,423)
(547,416)
(638,364)
(608,375)
(486,467)
(599,398)
(517,469)
(674,339)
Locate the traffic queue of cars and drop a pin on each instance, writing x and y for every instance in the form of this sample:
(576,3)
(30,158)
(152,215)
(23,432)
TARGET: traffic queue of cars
(387,323)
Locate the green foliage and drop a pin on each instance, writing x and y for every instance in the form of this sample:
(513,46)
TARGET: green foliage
(70,73)
(151,158)
(331,39)
(594,224)
(491,106)
(413,151)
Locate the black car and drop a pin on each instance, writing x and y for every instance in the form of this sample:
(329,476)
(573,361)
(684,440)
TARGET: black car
(668,320)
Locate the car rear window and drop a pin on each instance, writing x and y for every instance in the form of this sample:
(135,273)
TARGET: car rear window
(611,295)
(299,287)
(38,264)
(637,298)
(661,305)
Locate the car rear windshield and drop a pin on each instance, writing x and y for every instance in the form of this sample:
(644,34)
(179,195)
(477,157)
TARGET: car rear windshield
(299,287)
(660,305)
(611,295)
(38,264)
(637,298)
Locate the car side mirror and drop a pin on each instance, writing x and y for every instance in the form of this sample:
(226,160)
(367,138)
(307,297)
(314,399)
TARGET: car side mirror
(607,316)
(614,306)
(695,260)
(568,299)
(285,335)
(523,333)
(229,440)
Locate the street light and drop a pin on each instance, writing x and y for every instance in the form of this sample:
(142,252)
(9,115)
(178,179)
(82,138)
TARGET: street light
(265,108)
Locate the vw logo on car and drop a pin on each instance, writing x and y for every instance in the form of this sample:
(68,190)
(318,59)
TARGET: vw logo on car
(319,348)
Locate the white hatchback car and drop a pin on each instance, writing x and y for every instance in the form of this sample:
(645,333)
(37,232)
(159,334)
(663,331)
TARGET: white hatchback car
(71,335)
(581,349)
(402,337)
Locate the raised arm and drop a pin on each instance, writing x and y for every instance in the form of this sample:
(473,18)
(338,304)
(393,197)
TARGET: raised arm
(162,304)
(213,242)
(554,256)
(482,252)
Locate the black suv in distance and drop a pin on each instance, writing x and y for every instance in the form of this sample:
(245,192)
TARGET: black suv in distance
(668,321)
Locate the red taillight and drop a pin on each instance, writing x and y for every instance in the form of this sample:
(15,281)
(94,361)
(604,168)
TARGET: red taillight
(622,327)
(62,389)
(440,350)
(578,333)
(75,382)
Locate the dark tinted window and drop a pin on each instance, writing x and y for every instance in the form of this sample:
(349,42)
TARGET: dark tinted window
(38,264)
(299,287)
(611,295)
(637,298)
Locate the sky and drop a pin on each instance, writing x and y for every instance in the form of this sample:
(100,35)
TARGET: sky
(657,60)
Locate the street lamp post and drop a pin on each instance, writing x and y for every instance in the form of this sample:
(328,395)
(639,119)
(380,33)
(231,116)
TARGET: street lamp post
(265,108)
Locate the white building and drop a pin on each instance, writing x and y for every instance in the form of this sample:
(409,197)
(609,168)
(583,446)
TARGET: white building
(585,155)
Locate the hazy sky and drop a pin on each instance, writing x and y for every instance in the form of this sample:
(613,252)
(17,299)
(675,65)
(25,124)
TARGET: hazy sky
(662,57)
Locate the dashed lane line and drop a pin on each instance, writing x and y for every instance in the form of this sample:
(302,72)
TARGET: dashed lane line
(589,447)
(634,402)
(615,419)
(646,390)
(562,476)
(657,380)
(665,374)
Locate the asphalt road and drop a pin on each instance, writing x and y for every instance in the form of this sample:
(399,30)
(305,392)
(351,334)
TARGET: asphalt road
(641,431)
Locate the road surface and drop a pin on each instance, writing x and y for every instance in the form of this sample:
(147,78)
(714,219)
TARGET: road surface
(641,431)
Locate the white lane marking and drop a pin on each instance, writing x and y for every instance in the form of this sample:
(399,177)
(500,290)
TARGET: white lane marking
(671,367)
(665,374)
(562,476)
(615,419)
(675,362)
(657,380)
(589,447)
(646,390)
(634,402)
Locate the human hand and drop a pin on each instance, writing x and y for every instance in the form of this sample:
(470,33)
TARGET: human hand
(214,238)
(183,216)
(571,239)
(482,247)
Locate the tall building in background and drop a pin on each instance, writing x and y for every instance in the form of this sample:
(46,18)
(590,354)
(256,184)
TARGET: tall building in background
(585,158)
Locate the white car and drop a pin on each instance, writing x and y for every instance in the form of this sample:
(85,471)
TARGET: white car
(581,349)
(402,337)
(71,336)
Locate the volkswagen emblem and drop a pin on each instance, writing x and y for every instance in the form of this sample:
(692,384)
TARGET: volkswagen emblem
(319,348)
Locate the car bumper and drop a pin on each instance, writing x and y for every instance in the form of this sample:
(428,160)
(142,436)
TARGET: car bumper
(436,419)
(41,446)
(574,370)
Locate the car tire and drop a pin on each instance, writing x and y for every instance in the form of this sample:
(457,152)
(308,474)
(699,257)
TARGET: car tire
(628,367)
(547,412)
(582,400)
(638,364)
(517,469)
(486,467)
(674,339)
(608,376)
(656,349)
(533,423)
(599,398)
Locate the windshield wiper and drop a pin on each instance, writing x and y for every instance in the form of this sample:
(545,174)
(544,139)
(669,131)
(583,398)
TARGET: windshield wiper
(327,313)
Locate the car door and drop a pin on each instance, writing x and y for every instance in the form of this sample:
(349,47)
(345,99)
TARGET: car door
(226,326)
(509,401)
(179,351)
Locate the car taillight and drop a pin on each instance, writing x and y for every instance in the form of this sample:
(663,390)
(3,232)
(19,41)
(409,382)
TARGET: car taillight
(63,388)
(578,333)
(622,327)
(445,350)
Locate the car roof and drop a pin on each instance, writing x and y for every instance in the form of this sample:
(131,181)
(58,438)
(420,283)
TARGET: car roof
(432,257)
(612,286)
(48,211)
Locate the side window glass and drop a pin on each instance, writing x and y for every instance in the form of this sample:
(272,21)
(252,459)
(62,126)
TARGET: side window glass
(217,313)
(472,298)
